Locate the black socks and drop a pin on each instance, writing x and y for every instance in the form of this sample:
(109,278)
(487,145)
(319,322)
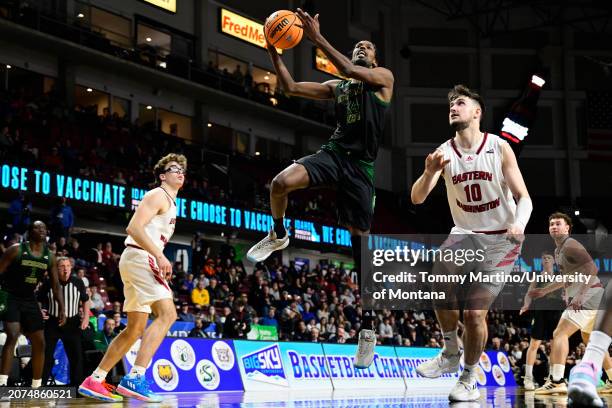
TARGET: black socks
(279,228)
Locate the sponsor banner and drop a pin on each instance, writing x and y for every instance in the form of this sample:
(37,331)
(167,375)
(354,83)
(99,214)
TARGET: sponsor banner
(282,366)
(261,365)
(260,332)
(385,371)
(499,370)
(190,365)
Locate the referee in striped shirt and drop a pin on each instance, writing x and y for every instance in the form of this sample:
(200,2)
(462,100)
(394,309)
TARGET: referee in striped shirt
(75,296)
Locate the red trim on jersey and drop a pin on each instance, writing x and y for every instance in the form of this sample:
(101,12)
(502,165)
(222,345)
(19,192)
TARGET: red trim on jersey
(155,271)
(510,137)
(484,140)
(452,141)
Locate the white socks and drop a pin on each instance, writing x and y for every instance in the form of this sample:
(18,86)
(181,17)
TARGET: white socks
(597,349)
(138,370)
(469,370)
(558,371)
(99,375)
(3,380)
(451,342)
(528,371)
(36,383)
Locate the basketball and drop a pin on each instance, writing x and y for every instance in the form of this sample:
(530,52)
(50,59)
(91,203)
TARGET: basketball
(283,29)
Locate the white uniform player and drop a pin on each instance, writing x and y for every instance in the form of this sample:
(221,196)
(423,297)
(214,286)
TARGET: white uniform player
(583,317)
(478,196)
(482,180)
(145,271)
(143,283)
(481,203)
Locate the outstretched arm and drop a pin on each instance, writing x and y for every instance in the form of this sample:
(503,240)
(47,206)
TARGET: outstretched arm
(311,90)
(378,76)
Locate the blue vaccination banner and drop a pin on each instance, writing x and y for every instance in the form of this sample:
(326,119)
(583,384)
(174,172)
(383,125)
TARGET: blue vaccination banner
(191,365)
(84,190)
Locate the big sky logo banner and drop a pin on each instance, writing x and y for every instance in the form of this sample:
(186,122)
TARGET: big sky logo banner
(269,366)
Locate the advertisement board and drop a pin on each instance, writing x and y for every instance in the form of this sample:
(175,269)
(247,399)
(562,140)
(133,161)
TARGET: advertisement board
(385,371)
(191,365)
(282,366)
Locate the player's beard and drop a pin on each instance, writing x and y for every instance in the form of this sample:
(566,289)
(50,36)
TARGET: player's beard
(459,126)
(362,62)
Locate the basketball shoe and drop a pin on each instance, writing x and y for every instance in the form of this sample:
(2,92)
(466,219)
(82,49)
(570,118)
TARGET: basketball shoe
(582,390)
(443,363)
(264,248)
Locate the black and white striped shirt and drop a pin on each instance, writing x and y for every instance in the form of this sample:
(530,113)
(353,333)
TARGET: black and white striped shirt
(73,291)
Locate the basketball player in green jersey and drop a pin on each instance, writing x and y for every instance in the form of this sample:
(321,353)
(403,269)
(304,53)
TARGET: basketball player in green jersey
(22,267)
(346,161)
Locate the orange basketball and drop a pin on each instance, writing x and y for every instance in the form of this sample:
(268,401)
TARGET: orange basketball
(283,29)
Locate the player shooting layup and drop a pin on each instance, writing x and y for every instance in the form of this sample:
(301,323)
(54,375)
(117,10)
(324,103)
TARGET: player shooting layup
(346,161)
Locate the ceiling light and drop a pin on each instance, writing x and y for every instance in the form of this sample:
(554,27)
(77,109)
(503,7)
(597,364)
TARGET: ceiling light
(80,15)
(162,64)
(209,124)
(8,66)
(577,213)
(273,101)
(257,153)
(149,107)
(89,90)
(266,77)
(148,39)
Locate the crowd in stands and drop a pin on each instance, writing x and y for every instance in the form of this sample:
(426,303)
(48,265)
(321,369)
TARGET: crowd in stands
(318,303)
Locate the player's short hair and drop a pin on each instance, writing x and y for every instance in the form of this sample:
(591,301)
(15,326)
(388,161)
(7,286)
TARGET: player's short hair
(462,90)
(373,44)
(563,216)
(160,167)
(547,253)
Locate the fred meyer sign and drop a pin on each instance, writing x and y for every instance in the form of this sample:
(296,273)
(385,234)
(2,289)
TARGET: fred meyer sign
(242,28)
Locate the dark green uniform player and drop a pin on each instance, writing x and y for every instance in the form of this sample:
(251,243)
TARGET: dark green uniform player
(346,161)
(22,267)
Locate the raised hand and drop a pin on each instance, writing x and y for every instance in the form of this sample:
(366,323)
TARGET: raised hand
(435,161)
(309,24)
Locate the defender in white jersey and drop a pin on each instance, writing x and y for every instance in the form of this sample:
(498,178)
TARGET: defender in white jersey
(145,272)
(483,181)
(572,259)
